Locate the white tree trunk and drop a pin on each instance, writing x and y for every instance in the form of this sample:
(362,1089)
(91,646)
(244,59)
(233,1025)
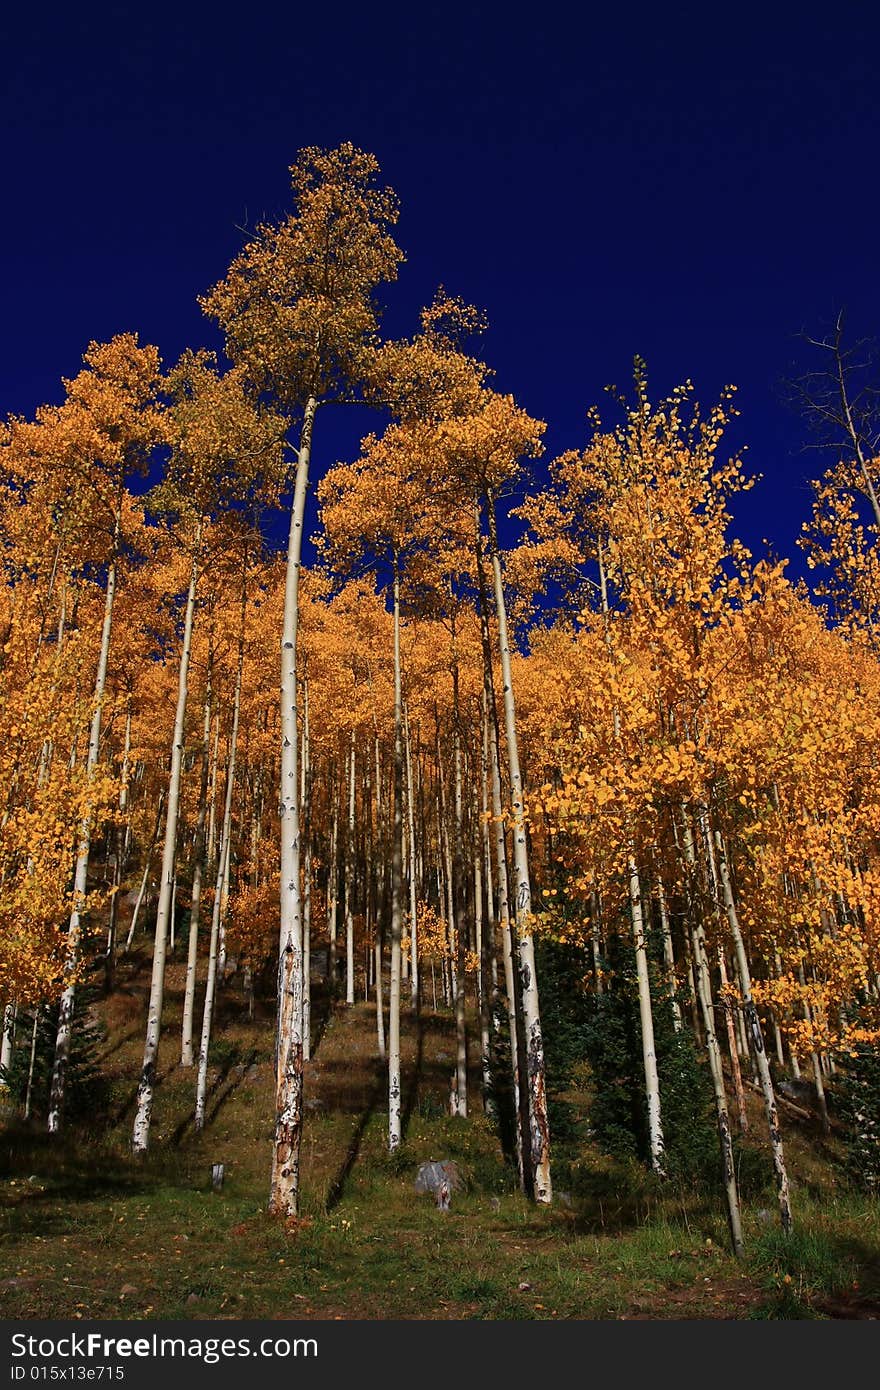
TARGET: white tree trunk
(754,1026)
(146,873)
(646,1018)
(703,987)
(413,906)
(539,1126)
(221,887)
(81,872)
(192,953)
(8,1038)
(349,881)
(395,1122)
(284,1186)
(307,878)
(143,1114)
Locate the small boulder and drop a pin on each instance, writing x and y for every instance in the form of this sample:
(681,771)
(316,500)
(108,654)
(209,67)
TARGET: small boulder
(441,1178)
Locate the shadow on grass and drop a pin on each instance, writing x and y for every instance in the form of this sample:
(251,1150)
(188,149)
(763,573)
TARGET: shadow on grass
(412,1093)
(337,1187)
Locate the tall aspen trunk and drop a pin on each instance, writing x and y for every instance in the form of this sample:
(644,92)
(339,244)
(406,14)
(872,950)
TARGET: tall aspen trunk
(754,1028)
(221,886)
(211,853)
(502,881)
(395,1130)
(333,893)
(668,956)
(118,863)
(81,871)
(143,1114)
(596,940)
(307,876)
(146,874)
(9,1014)
(646,1018)
(460,904)
(481,933)
(284,1185)
(413,906)
(172,917)
(349,881)
(539,1127)
(192,952)
(733,1053)
(703,987)
(32,1058)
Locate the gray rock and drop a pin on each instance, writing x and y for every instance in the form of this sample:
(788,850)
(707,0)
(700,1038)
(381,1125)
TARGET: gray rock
(434,1175)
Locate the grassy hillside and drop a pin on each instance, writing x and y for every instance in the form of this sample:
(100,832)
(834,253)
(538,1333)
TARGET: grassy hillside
(89,1232)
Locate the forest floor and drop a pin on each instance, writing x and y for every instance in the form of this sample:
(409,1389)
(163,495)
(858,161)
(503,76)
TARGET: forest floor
(89,1232)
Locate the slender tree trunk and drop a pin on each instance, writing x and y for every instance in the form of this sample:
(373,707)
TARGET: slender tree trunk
(81,872)
(119,858)
(668,956)
(703,985)
(29,1090)
(349,881)
(460,902)
(539,1126)
(649,1052)
(307,878)
(731,1044)
(141,1129)
(413,906)
(754,1027)
(9,1013)
(395,1130)
(211,858)
(221,885)
(333,893)
(596,940)
(146,874)
(284,1188)
(192,952)
(502,883)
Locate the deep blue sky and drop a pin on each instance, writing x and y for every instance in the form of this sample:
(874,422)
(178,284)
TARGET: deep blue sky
(695,185)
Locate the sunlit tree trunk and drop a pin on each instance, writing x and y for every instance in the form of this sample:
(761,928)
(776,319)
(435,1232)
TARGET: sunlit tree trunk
(502,881)
(143,1114)
(460,908)
(306,795)
(81,871)
(189,994)
(119,856)
(395,1131)
(413,906)
(349,880)
(9,1013)
(646,1019)
(221,886)
(754,1027)
(146,874)
(704,992)
(668,956)
(284,1187)
(539,1126)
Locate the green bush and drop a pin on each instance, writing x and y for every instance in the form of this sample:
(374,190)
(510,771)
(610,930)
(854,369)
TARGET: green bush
(858,1106)
(86,1089)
